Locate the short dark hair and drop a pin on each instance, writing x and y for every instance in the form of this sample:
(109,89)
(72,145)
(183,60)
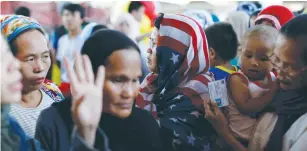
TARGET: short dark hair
(25,11)
(134,5)
(102,43)
(73,8)
(296,28)
(222,38)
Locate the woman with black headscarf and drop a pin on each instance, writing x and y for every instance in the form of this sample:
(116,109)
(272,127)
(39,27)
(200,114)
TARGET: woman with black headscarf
(125,126)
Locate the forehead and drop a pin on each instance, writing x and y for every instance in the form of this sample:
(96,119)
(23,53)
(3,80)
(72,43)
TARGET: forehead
(66,12)
(127,62)
(258,45)
(37,44)
(288,50)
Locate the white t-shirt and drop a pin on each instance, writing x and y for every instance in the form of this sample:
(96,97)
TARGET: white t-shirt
(69,45)
(27,117)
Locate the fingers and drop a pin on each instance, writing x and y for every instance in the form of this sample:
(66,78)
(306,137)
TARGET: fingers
(75,108)
(71,73)
(89,76)
(79,67)
(100,77)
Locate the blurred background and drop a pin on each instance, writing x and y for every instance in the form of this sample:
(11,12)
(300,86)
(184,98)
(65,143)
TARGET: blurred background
(106,12)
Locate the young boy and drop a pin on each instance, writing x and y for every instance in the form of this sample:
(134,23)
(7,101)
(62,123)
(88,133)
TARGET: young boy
(223,45)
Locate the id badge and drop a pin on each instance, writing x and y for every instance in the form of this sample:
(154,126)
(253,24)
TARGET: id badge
(218,92)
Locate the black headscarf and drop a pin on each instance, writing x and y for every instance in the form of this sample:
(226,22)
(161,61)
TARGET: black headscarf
(289,106)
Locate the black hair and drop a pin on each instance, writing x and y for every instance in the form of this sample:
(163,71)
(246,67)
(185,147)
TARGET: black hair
(98,27)
(73,8)
(101,44)
(25,11)
(134,5)
(296,28)
(222,38)
(158,20)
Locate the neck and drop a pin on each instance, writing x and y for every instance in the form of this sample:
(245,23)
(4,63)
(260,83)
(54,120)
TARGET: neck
(31,99)
(226,65)
(73,33)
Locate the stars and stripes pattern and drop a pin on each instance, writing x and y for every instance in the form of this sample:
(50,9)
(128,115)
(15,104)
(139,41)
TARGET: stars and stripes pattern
(175,95)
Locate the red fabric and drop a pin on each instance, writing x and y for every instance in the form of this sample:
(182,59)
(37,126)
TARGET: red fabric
(65,89)
(283,14)
(150,10)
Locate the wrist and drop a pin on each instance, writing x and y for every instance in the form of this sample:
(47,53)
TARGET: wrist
(88,134)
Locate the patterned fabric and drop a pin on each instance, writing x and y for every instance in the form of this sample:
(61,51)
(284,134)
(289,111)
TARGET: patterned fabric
(52,90)
(221,72)
(175,95)
(13,25)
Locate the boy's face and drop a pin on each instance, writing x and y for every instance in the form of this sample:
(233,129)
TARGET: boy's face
(71,20)
(255,59)
(287,60)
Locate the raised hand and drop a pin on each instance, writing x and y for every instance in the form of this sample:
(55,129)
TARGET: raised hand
(87,96)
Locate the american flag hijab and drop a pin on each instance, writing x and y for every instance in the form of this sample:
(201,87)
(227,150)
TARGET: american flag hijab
(175,94)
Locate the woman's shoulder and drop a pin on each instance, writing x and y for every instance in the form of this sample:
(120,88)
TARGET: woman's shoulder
(52,91)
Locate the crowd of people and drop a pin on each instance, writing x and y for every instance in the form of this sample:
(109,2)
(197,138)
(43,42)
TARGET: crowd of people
(113,98)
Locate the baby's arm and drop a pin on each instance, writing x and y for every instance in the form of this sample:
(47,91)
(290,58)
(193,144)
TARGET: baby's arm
(240,94)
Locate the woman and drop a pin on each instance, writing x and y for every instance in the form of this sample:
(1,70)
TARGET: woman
(174,91)
(12,136)
(240,22)
(34,56)
(283,125)
(275,16)
(125,126)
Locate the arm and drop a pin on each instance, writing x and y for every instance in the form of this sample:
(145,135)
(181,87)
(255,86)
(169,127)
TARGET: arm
(43,135)
(215,116)
(241,96)
(141,37)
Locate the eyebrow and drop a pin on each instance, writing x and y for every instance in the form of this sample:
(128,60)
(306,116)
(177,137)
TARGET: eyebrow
(32,55)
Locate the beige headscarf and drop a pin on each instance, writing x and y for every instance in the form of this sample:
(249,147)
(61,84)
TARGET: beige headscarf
(239,21)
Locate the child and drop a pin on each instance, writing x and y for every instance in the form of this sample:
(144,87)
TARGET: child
(253,87)
(223,44)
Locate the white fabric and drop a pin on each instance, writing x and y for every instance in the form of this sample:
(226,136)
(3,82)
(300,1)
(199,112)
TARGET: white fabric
(294,139)
(271,18)
(239,21)
(134,25)
(27,117)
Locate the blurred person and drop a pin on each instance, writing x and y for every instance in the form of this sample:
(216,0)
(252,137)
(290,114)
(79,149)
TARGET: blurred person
(253,17)
(22,10)
(249,7)
(12,136)
(283,123)
(275,16)
(173,92)
(220,55)
(239,21)
(126,126)
(125,25)
(34,56)
(137,10)
(203,17)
